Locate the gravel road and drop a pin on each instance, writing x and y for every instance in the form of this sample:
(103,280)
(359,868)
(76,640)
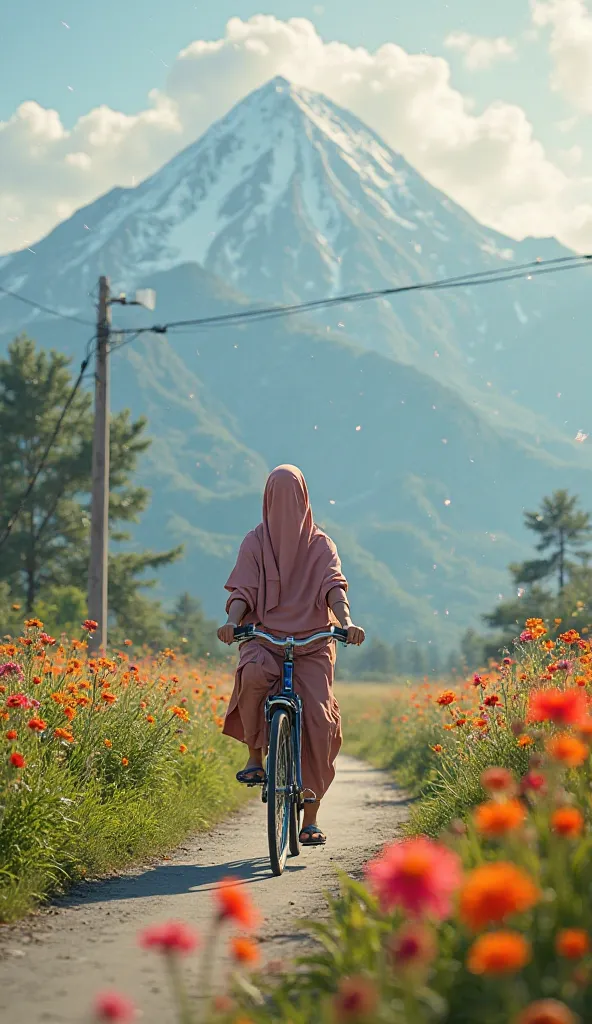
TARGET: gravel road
(52,964)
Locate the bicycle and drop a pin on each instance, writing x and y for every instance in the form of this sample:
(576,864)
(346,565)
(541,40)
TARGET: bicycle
(282,790)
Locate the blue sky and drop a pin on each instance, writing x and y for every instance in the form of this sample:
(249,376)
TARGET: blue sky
(113,54)
(75,57)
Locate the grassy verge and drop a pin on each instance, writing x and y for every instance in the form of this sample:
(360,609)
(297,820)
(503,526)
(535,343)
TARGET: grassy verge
(103,763)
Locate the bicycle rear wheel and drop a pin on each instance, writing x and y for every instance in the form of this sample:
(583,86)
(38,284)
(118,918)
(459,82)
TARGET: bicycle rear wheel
(280,762)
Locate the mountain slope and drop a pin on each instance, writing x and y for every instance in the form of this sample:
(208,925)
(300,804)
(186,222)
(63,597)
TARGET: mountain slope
(290,197)
(424,499)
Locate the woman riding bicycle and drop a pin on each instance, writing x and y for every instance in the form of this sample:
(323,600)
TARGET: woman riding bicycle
(288,581)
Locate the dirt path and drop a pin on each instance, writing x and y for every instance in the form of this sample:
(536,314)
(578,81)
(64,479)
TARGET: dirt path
(51,966)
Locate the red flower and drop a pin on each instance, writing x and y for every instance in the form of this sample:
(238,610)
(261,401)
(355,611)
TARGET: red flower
(170,937)
(448,697)
(564,707)
(37,724)
(113,1006)
(90,625)
(234,904)
(356,1000)
(492,700)
(497,780)
(412,946)
(47,640)
(12,734)
(419,875)
(17,760)
(19,700)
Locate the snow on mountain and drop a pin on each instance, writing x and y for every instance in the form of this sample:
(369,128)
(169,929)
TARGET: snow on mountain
(288,198)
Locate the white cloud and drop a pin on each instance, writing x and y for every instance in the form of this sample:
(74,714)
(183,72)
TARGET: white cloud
(570,47)
(480,52)
(489,162)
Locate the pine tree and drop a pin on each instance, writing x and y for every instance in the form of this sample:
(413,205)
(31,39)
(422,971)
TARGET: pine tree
(561,528)
(48,546)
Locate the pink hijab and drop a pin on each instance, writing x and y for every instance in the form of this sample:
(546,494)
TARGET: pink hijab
(287,565)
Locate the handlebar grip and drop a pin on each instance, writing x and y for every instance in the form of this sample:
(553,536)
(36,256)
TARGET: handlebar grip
(341,634)
(243,632)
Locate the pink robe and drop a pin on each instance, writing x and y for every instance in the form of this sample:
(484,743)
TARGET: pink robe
(284,572)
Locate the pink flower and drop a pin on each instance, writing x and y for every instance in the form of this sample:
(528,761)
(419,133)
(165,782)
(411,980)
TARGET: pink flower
(170,937)
(526,635)
(113,1006)
(419,875)
(20,700)
(11,668)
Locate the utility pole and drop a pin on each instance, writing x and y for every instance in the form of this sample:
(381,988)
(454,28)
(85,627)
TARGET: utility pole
(99,525)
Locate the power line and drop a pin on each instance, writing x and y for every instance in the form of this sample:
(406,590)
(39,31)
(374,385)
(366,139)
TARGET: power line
(33,480)
(45,309)
(532,269)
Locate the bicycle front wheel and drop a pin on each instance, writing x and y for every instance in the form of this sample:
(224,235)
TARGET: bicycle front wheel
(279,789)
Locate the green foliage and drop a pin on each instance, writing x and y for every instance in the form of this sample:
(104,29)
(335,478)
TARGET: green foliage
(44,562)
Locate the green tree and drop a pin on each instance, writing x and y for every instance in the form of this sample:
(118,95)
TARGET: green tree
(191,631)
(48,546)
(561,528)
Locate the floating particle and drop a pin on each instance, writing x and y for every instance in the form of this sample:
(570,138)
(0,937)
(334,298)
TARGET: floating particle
(236,346)
(86,227)
(433,407)
(447,612)
(192,396)
(436,354)
(358,428)
(331,502)
(340,324)
(447,501)
(559,394)
(581,436)
(520,592)
(434,566)
(444,440)
(65,24)
(70,89)
(488,383)
(315,427)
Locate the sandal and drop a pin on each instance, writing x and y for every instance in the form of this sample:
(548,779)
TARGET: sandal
(254,776)
(311,831)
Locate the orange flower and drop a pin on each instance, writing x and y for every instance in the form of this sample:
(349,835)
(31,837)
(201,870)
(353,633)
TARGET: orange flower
(244,951)
(568,749)
(109,698)
(234,904)
(108,744)
(496,818)
(547,1011)
(37,724)
(182,749)
(567,822)
(494,892)
(124,761)
(498,953)
(572,943)
(448,697)
(181,713)
(33,624)
(497,780)
(437,748)
(525,741)
(63,734)
(127,643)
(150,719)
(481,723)
(564,707)
(356,1000)
(70,713)
(571,637)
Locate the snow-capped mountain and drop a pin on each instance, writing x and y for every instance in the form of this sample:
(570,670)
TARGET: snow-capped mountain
(289,198)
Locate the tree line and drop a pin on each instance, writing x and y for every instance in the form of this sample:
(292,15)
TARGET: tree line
(44,559)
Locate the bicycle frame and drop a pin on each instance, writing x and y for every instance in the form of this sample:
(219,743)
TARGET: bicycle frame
(292,703)
(287,698)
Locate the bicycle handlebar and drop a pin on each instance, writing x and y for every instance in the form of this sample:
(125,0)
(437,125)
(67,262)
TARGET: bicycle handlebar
(248,632)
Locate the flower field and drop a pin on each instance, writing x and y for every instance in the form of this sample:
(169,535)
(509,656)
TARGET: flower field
(102,760)
(482,912)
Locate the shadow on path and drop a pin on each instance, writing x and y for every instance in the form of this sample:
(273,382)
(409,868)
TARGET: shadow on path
(173,879)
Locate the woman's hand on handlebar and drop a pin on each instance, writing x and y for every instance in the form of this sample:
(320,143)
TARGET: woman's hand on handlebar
(226,633)
(355,635)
